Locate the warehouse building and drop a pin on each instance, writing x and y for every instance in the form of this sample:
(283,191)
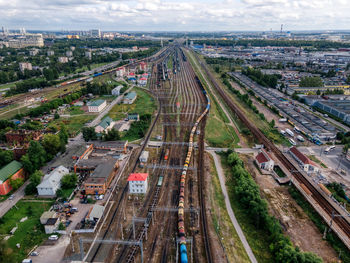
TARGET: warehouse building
(101,178)
(52,182)
(337,108)
(305,163)
(11,171)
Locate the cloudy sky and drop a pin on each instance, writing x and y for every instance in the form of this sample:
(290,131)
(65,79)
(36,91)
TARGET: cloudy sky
(189,15)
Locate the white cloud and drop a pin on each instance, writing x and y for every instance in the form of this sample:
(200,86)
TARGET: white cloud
(175,14)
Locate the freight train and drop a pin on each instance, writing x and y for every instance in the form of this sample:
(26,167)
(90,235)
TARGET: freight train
(181,216)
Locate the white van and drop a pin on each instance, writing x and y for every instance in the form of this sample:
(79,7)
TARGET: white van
(292,142)
(53,237)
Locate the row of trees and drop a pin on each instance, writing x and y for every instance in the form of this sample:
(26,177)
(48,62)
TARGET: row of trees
(319,44)
(40,153)
(266,80)
(54,104)
(247,191)
(140,54)
(311,82)
(89,134)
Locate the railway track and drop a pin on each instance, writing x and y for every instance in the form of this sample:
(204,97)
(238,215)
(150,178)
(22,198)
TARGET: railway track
(107,233)
(320,199)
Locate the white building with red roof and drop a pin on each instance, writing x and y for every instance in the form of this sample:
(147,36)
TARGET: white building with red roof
(305,163)
(138,183)
(143,81)
(264,161)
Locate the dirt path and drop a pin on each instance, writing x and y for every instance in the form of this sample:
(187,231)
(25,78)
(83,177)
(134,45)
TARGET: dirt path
(234,221)
(293,219)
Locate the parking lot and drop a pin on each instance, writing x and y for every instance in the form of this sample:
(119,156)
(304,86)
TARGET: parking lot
(306,121)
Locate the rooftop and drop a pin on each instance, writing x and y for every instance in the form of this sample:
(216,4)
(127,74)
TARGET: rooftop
(131,95)
(51,221)
(8,170)
(105,122)
(138,177)
(303,158)
(262,157)
(96,103)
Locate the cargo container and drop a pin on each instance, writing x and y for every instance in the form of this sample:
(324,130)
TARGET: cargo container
(290,132)
(307,191)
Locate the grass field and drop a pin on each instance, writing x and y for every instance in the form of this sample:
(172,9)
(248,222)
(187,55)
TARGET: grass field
(6,86)
(218,133)
(144,104)
(75,110)
(257,239)
(75,123)
(29,232)
(222,223)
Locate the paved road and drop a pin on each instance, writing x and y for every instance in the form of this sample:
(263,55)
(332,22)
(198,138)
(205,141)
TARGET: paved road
(229,208)
(8,204)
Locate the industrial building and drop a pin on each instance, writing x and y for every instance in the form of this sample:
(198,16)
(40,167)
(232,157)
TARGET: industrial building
(11,171)
(52,182)
(305,163)
(116,90)
(101,178)
(337,108)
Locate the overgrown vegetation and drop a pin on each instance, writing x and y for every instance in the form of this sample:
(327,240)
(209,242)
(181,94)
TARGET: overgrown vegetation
(311,82)
(332,238)
(266,80)
(247,191)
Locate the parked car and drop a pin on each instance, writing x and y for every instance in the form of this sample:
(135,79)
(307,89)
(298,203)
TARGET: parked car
(11,197)
(53,237)
(27,260)
(34,253)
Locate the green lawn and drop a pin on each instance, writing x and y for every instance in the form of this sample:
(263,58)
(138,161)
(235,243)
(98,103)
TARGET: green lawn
(257,239)
(29,232)
(75,123)
(8,85)
(75,110)
(218,133)
(144,104)
(222,223)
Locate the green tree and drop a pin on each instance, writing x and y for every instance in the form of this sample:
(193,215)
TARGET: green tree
(51,143)
(112,135)
(89,133)
(69,181)
(36,155)
(63,135)
(27,164)
(311,82)
(272,123)
(16,183)
(56,116)
(5,157)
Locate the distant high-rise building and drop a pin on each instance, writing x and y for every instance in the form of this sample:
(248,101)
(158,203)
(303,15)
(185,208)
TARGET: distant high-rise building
(69,53)
(22,31)
(88,54)
(95,33)
(28,40)
(63,59)
(33,52)
(25,65)
(50,53)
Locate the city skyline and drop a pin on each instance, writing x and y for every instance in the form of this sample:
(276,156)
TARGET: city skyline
(170,15)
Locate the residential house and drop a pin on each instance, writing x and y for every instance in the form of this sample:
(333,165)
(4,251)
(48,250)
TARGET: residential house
(142,81)
(138,183)
(11,171)
(264,161)
(305,163)
(97,105)
(130,98)
(133,117)
(52,182)
(105,125)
